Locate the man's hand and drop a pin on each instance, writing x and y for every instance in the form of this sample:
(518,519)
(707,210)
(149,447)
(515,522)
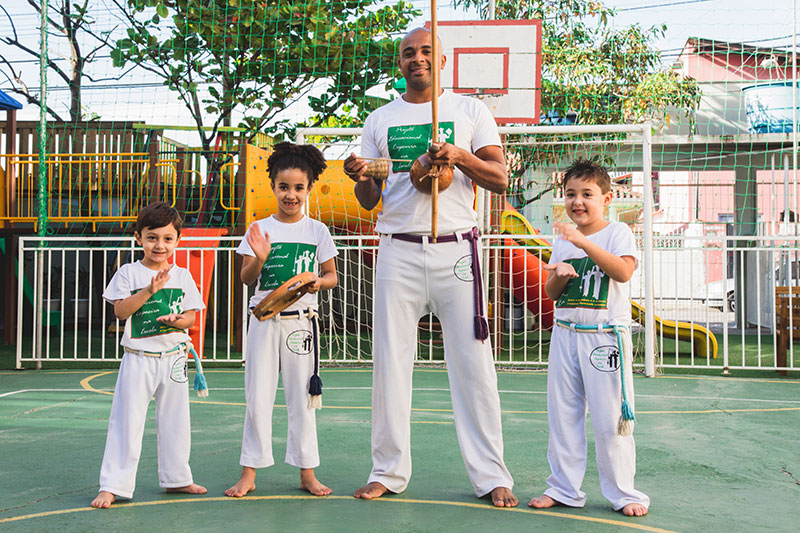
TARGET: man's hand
(259,242)
(445,154)
(355,167)
(562,270)
(570,233)
(158,281)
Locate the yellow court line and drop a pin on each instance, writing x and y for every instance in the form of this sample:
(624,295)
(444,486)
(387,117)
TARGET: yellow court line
(85,384)
(484,507)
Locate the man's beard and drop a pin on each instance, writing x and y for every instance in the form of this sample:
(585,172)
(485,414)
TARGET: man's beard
(419,84)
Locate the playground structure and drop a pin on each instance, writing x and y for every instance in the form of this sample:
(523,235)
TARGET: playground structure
(521,252)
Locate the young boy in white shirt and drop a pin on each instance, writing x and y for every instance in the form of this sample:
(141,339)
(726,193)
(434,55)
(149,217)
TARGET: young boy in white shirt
(158,302)
(590,350)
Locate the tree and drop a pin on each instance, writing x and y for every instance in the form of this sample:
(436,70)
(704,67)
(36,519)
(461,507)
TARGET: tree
(603,74)
(68,20)
(593,71)
(258,57)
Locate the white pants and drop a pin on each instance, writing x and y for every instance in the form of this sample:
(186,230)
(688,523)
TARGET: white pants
(584,372)
(412,280)
(285,346)
(141,378)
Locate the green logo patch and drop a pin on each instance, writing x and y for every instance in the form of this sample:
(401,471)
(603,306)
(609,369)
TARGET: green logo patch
(605,358)
(286,259)
(463,269)
(179,372)
(300,342)
(410,142)
(164,302)
(589,289)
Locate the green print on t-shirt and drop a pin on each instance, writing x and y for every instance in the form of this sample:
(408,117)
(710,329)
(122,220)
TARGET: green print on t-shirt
(589,289)
(286,259)
(164,302)
(410,142)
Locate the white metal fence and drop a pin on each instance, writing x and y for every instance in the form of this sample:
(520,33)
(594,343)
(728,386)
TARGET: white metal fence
(722,285)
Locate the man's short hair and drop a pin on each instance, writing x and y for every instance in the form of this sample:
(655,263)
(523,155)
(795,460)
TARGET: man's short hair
(157,215)
(583,169)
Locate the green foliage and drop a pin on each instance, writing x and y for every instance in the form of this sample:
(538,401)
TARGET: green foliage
(254,58)
(600,73)
(606,75)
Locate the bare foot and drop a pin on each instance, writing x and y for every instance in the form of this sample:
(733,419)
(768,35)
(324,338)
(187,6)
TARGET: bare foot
(371,490)
(103,500)
(543,502)
(503,497)
(246,483)
(634,509)
(309,483)
(194,488)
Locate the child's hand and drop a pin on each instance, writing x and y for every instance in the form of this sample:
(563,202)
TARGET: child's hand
(158,281)
(170,319)
(316,285)
(562,270)
(570,233)
(259,242)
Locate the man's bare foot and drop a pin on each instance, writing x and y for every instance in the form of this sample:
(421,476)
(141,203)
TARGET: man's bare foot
(371,490)
(194,488)
(246,483)
(103,500)
(309,483)
(634,509)
(543,502)
(503,497)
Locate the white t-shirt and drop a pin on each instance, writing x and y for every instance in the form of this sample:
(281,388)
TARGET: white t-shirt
(402,130)
(142,330)
(296,248)
(593,297)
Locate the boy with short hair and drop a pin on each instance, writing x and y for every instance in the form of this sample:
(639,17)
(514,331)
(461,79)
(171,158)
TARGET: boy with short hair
(158,303)
(590,350)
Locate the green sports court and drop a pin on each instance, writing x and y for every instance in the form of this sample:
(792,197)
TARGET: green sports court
(714,454)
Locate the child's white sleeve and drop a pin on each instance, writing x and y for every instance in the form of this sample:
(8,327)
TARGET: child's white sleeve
(326,248)
(192,299)
(624,243)
(244,246)
(555,255)
(119,287)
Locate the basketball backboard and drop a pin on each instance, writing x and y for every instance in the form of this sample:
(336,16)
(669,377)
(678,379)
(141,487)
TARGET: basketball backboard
(498,61)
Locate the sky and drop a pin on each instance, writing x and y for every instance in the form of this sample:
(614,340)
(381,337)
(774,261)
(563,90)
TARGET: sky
(138,97)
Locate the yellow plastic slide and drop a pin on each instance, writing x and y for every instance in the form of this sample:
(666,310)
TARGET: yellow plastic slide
(703,341)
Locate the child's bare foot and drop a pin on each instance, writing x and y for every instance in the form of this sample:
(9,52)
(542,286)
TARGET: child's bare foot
(634,509)
(246,483)
(371,490)
(503,497)
(543,502)
(309,483)
(194,488)
(103,500)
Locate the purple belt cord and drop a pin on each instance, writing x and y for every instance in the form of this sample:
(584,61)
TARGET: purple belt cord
(481,325)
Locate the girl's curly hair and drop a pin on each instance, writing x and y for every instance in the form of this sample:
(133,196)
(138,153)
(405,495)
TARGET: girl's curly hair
(305,157)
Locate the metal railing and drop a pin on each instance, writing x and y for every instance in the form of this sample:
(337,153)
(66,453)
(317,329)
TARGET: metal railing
(695,300)
(96,188)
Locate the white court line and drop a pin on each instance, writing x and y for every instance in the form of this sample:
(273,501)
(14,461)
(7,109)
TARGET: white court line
(656,396)
(38,390)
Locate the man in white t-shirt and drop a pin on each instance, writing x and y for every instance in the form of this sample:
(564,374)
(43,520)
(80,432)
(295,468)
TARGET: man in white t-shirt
(415,276)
